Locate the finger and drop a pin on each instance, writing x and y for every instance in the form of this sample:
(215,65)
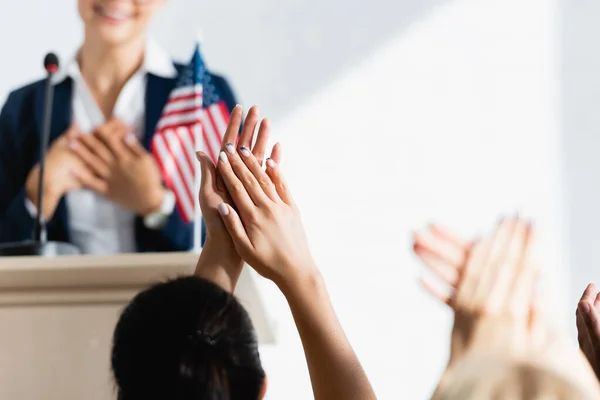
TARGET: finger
(134,145)
(582,335)
(446,272)
(97,147)
(208,180)
(274,173)
(236,189)
(112,135)
(233,126)
(434,291)
(260,146)
(444,249)
(589,294)
(592,322)
(449,236)
(259,174)
(73,131)
(526,276)
(220,184)
(497,273)
(476,262)
(249,128)
(92,182)
(597,302)
(90,159)
(276,153)
(256,192)
(236,230)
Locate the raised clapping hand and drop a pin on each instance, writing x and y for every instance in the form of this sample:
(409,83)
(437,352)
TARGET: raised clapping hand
(267,232)
(220,261)
(266,228)
(497,309)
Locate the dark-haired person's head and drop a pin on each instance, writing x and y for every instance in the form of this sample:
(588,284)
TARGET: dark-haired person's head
(186,339)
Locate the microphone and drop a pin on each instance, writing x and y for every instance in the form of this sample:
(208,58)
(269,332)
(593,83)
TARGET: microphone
(40,246)
(51,66)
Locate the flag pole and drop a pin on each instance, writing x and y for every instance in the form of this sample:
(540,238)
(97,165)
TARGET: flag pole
(197,178)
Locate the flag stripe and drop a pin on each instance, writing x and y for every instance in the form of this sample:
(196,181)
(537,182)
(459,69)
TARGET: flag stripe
(184,166)
(192,111)
(182,104)
(174,171)
(178,119)
(166,164)
(185,91)
(212,138)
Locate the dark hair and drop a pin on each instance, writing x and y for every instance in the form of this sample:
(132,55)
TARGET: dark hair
(186,339)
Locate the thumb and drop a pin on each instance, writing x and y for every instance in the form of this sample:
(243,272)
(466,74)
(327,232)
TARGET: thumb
(73,130)
(236,229)
(592,322)
(209,174)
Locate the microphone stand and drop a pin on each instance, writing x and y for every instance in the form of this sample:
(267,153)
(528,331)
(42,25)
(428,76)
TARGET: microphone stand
(40,246)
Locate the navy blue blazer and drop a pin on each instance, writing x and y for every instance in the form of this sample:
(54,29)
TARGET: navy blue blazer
(20,131)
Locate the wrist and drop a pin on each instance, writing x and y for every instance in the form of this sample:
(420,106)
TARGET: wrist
(301,281)
(51,196)
(219,263)
(155,199)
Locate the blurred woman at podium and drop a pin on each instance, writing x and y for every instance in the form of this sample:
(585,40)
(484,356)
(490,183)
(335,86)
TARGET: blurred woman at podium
(103,190)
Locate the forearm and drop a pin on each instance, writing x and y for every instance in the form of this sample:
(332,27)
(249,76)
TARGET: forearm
(335,371)
(219,266)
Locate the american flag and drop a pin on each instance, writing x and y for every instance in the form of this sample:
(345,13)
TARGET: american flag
(195,113)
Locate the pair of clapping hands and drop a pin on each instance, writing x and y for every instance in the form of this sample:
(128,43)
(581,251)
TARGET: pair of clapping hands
(264,229)
(110,161)
(497,303)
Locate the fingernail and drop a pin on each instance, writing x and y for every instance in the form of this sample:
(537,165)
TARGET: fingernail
(223,156)
(271,163)
(130,138)
(585,307)
(244,151)
(198,156)
(230,149)
(223,210)
(238,106)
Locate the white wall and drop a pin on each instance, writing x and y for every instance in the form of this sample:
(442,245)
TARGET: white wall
(391,114)
(581,138)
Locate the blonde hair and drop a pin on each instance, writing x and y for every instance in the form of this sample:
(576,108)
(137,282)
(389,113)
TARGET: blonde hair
(495,378)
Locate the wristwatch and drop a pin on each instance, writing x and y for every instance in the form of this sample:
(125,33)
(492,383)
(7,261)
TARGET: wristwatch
(158,219)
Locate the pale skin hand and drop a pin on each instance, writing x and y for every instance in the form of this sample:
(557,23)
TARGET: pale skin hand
(269,235)
(493,294)
(446,255)
(64,172)
(130,174)
(219,261)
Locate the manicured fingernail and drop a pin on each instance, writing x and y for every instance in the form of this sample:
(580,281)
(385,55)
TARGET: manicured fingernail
(223,156)
(198,156)
(238,107)
(271,163)
(223,209)
(130,138)
(230,148)
(585,307)
(244,151)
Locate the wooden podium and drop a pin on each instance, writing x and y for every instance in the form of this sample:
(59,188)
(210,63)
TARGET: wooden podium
(57,317)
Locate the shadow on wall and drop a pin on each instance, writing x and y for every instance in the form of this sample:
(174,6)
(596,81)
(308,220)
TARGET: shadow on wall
(278,53)
(581,139)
